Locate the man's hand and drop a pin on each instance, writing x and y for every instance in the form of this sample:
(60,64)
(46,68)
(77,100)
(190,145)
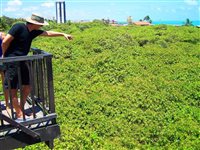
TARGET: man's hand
(68,36)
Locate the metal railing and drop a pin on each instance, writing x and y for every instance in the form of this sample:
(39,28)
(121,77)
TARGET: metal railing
(42,126)
(41,97)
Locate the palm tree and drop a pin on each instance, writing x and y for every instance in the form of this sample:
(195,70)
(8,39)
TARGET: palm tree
(188,22)
(147,18)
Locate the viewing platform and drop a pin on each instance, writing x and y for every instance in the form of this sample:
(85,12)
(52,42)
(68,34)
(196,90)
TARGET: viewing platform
(38,123)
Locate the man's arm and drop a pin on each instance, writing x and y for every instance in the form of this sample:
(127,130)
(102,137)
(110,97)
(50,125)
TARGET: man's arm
(6,42)
(53,34)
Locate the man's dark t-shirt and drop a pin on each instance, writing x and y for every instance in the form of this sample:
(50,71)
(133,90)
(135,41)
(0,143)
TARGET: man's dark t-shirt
(21,43)
(19,46)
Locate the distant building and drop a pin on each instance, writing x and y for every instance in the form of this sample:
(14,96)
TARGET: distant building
(60,12)
(129,20)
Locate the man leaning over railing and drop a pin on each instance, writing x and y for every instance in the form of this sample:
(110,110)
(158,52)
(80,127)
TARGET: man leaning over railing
(17,43)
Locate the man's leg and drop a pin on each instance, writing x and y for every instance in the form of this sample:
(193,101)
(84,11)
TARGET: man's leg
(26,89)
(15,103)
(5,91)
(11,76)
(6,98)
(25,82)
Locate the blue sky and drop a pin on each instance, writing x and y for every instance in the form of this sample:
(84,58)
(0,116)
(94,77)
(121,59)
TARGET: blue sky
(158,10)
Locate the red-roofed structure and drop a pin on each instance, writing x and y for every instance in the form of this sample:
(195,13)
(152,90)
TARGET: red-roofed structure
(141,23)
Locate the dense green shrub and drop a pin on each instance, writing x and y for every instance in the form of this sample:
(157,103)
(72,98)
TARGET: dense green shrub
(126,87)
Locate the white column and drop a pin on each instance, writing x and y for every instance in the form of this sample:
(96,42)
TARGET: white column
(62,12)
(58,12)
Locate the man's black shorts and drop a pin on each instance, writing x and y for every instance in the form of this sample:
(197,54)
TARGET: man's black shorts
(11,73)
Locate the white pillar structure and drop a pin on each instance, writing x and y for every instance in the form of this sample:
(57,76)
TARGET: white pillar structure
(60,12)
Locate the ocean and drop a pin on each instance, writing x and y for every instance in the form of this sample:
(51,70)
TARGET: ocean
(179,23)
(195,23)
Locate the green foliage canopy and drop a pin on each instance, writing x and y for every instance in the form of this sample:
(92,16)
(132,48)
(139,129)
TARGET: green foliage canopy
(126,87)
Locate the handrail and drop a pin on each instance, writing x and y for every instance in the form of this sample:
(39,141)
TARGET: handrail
(39,51)
(38,54)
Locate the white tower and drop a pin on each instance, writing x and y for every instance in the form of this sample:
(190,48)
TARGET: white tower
(60,12)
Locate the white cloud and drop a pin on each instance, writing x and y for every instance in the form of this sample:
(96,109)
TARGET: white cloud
(13,5)
(48,4)
(30,9)
(9,9)
(191,2)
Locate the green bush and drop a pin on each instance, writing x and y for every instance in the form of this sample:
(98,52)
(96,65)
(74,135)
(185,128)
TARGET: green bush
(126,87)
